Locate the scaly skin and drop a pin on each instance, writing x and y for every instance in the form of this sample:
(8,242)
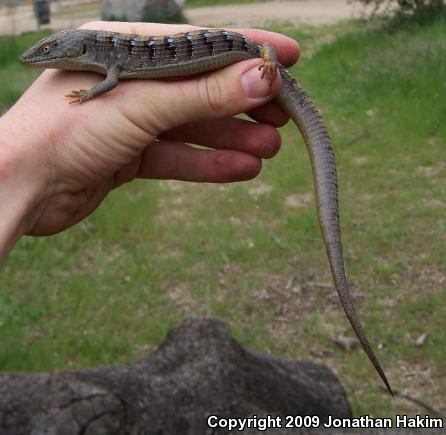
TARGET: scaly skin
(295,101)
(122,56)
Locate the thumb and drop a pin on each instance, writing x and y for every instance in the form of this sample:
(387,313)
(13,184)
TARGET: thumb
(226,92)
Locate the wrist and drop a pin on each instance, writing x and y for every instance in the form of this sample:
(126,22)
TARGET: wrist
(22,184)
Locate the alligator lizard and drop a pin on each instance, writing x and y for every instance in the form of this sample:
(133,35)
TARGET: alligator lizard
(123,56)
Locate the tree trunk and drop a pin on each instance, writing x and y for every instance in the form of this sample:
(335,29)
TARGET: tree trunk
(198,371)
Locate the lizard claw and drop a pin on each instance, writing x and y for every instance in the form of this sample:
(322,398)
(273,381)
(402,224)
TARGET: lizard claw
(79,96)
(269,70)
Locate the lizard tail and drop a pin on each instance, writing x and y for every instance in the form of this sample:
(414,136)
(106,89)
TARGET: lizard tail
(296,102)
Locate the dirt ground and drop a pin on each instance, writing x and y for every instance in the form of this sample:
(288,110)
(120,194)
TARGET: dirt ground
(297,12)
(14,20)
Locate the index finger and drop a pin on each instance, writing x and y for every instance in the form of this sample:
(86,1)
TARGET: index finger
(288,50)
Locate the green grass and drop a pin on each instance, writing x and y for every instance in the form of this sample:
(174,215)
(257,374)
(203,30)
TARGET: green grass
(13,77)
(155,252)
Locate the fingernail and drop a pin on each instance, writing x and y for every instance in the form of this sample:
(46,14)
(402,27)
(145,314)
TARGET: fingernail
(253,85)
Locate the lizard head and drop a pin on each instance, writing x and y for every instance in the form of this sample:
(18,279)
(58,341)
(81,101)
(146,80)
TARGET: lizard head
(62,50)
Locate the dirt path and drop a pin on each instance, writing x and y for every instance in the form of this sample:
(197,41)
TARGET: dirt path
(298,12)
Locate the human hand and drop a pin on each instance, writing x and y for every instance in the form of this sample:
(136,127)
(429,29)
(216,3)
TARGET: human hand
(70,156)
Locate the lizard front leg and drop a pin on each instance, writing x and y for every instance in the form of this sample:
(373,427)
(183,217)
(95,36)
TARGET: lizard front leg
(106,85)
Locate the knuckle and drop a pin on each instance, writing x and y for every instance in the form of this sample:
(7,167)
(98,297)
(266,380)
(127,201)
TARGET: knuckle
(211,93)
(220,168)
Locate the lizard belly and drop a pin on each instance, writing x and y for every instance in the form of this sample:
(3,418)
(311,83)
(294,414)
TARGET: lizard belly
(193,66)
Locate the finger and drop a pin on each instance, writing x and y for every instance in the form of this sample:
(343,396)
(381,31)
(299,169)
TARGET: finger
(270,113)
(226,92)
(260,140)
(288,50)
(173,160)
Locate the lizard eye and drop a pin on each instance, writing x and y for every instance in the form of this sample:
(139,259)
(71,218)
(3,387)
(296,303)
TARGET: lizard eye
(46,48)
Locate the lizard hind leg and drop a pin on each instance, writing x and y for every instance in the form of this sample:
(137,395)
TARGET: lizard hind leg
(270,65)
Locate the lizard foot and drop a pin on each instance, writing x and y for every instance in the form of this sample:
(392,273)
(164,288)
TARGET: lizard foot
(78,96)
(269,68)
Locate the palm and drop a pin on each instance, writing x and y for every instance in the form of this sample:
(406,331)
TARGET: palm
(94,147)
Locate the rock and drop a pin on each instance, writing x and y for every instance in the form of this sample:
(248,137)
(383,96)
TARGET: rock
(200,370)
(138,10)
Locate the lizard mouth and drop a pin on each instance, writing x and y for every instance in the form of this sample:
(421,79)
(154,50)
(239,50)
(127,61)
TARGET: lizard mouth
(26,60)
(37,61)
